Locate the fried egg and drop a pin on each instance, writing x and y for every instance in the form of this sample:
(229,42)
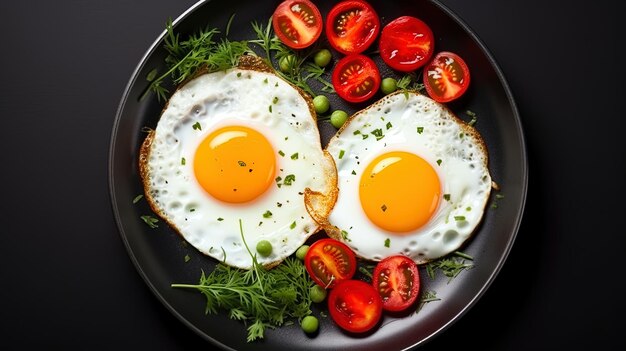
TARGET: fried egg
(238,146)
(412,177)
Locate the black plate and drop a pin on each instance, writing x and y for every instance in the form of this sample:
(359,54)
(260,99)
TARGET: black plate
(159,253)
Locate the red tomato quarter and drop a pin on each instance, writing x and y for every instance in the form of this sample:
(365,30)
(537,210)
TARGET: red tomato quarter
(352,26)
(355,306)
(446,77)
(297,23)
(396,278)
(356,78)
(406,44)
(329,261)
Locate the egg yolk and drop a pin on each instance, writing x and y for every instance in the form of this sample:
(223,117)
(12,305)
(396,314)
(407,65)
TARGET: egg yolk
(235,164)
(399,191)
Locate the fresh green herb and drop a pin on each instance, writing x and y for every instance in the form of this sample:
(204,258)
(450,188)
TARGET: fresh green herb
(229,23)
(151,75)
(278,179)
(294,156)
(281,153)
(498,197)
(356,132)
(259,297)
(446,197)
(387,242)
(289,179)
(468,208)
(428,296)
(464,255)
(420,130)
(341,153)
(439,162)
(183,161)
(451,267)
(267,214)
(219,219)
(378,133)
(344,235)
(241,163)
(196,126)
(353,172)
(365,136)
(388,125)
(150,221)
(459,218)
(187,258)
(270,108)
(200,51)
(275,100)
(366,272)
(293,225)
(297,69)
(137,198)
(473,121)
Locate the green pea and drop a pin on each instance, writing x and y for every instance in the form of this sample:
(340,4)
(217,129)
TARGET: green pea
(301,252)
(338,118)
(321,104)
(317,293)
(264,248)
(388,85)
(286,63)
(322,58)
(309,324)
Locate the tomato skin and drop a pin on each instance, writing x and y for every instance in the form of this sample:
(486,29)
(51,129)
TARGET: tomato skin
(352,26)
(355,306)
(406,44)
(297,23)
(446,77)
(330,261)
(356,78)
(397,281)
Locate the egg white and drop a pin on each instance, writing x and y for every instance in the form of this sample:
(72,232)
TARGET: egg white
(413,123)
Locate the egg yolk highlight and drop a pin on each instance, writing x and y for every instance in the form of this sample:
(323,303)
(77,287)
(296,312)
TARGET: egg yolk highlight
(399,191)
(235,164)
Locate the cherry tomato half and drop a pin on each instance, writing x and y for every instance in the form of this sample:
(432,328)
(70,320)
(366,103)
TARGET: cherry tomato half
(356,78)
(352,26)
(397,280)
(446,77)
(355,306)
(329,261)
(406,44)
(297,23)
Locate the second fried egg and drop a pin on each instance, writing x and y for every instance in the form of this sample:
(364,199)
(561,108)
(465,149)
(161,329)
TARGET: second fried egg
(412,178)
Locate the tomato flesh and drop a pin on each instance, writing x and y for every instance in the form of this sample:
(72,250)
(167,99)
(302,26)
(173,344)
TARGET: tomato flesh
(356,78)
(406,44)
(297,23)
(352,26)
(396,279)
(329,261)
(355,306)
(446,77)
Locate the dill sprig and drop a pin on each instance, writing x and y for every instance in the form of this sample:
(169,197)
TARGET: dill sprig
(259,297)
(427,296)
(199,51)
(410,82)
(450,267)
(299,70)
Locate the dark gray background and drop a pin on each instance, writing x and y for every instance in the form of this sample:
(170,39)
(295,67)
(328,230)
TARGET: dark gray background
(67,281)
